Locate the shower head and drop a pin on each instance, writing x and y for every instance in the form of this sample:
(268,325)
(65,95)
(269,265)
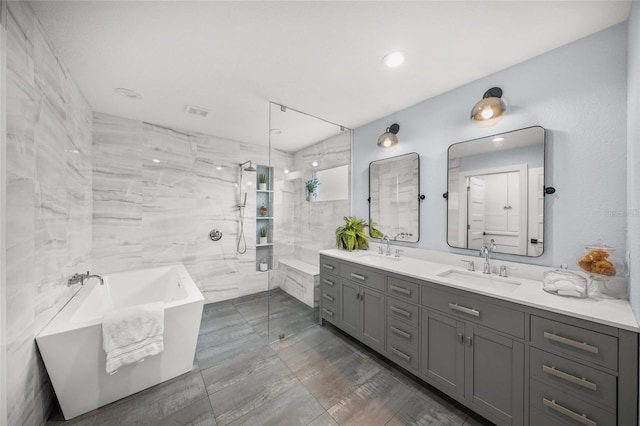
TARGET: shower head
(247,169)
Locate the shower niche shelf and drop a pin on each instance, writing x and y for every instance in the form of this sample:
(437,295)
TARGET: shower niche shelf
(264,217)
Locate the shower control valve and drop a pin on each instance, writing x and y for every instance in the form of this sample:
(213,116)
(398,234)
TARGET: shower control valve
(215,235)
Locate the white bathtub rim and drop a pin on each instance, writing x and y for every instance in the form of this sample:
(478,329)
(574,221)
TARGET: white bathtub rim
(61,322)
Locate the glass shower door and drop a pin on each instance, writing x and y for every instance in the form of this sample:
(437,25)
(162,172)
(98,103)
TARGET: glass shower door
(303,148)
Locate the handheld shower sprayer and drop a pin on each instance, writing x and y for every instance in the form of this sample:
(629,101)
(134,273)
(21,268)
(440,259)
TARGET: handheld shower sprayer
(242,243)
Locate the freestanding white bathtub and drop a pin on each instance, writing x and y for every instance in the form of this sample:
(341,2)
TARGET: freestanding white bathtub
(71,344)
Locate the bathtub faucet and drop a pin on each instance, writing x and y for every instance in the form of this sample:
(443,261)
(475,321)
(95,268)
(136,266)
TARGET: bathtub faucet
(80,278)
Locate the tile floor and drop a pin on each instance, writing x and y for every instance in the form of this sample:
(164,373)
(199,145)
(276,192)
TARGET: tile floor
(317,376)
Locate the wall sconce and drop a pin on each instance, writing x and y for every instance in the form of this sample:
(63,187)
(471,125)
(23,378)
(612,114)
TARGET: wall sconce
(488,111)
(388,140)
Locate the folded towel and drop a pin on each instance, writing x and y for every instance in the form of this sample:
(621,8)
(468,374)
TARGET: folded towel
(133,333)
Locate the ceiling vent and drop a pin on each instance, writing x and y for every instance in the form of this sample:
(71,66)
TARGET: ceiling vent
(196,110)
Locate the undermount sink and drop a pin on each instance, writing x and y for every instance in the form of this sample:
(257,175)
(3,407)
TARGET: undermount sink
(478,279)
(379,258)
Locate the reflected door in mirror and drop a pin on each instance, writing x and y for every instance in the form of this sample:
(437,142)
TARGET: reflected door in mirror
(495,193)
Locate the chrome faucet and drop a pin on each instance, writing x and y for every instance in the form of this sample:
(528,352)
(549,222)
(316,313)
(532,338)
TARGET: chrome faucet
(81,278)
(484,251)
(386,238)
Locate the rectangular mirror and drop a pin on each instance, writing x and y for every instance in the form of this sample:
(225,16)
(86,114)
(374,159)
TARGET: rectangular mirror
(394,191)
(496,193)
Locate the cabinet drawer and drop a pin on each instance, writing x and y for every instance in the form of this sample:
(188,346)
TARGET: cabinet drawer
(403,343)
(539,418)
(470,308)
(362,276)
(583,381)
(329,285)
(403,311)
(579,342)
(404,290)
(329,265)
(565,408)
(329,311)
(329,299)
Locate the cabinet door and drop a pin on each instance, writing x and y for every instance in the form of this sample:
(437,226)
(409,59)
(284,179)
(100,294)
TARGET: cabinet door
(494,375)
(373,313)
(442,355)
(349,307)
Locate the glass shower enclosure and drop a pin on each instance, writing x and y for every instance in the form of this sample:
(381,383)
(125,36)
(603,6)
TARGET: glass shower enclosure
(301,216)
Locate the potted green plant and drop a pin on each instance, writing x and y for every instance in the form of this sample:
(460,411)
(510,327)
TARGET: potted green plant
(262,182)
(351,236)
(263,235)
(312,186)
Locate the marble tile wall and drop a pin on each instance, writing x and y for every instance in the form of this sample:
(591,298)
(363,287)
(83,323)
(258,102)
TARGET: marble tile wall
(49,204)
(159,191)
(303,228)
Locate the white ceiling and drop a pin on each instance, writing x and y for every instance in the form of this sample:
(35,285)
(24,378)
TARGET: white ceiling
(323,58)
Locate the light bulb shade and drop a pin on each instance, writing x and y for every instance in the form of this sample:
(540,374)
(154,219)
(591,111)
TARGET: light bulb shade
(488,111)
(388,140)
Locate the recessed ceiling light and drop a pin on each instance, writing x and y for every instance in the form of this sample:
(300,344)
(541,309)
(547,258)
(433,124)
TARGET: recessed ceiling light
(218,167)
(72,151)
(498,139)
(155,160)
(127,93)
(393,59)
(286,171)
(314,164)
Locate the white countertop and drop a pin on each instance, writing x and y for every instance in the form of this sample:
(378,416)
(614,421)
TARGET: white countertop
(612,312)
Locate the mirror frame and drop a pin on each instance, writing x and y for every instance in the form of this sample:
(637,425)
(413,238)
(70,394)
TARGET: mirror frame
(544,204)
(418,196)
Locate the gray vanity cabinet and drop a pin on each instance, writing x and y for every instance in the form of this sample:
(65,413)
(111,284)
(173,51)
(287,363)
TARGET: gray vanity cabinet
(352,299)
(475,364)
(514,364)
(349,307)
(442,354)
(361,313)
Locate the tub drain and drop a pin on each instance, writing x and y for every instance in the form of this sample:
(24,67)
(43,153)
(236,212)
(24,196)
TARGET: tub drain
(281,336)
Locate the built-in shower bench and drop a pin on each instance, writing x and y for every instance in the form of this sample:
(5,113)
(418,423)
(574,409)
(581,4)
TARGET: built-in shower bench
(299,279)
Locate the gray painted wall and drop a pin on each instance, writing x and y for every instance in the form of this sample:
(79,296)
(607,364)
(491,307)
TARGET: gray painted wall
(578,93)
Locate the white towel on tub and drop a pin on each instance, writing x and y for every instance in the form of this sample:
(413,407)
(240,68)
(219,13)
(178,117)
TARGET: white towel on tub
(133,333)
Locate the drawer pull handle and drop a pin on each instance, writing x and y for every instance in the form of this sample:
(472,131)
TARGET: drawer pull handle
(570,342)
(401,333)
(464,309)
(400,312)
(460,338)
(569,377)
(329,267)
(328,297)
(358,276)
(327,282)
(328,312)
(401,354)
(400,290)
(580,418)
